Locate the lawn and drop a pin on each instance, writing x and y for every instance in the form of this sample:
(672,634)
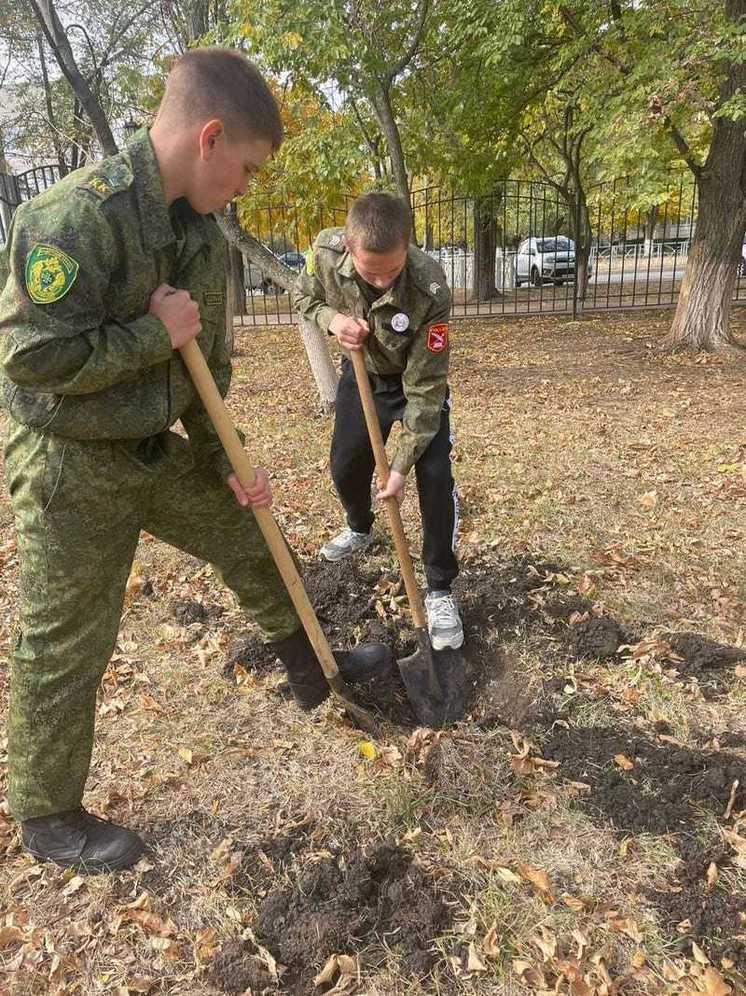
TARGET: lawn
(581,832)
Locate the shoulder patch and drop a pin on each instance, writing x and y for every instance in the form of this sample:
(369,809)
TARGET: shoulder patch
(110,178)
(50,273)
(437,337)
(331,238)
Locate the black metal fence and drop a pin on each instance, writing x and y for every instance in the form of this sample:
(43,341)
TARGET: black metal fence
(22,187)
(524,249)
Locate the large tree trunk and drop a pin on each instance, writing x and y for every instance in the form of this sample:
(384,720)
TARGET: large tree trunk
(702,319)
(582,236)
(485,248)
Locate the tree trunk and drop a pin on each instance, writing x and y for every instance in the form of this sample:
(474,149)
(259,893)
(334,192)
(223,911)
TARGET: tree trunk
(485,248)
(381,102)
(583,236)
(320,361)
(238,293)
(315,342)
(54,32)
(651,221)
(702,319)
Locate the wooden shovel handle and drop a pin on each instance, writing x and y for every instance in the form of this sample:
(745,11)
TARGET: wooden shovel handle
(239,459)
(383,470)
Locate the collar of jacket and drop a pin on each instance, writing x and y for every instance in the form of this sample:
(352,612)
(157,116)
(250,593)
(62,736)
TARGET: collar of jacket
(396,295)
(155,219)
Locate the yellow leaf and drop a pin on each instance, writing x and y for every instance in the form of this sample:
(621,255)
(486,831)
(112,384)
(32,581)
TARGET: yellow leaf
(536,877)
(186,754)
(622,761)
(366,749)
(507,875)
(649,499)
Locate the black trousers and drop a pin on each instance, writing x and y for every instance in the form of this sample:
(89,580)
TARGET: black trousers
(352,465)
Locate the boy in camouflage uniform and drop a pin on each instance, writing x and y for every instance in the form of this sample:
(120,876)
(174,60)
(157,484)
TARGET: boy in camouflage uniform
(111,271)
(369,288)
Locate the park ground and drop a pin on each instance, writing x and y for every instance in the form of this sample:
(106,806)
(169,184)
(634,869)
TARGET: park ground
(582,831)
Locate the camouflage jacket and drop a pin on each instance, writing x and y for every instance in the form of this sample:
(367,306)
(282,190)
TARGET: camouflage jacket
(408,330)
(79,354)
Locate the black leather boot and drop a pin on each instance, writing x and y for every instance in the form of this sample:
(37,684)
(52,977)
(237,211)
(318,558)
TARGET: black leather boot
(76,839)
(305,677)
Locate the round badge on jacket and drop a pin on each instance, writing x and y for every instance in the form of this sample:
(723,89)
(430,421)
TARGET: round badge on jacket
(400,322)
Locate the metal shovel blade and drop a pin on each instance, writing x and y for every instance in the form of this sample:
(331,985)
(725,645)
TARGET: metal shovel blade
(435,683)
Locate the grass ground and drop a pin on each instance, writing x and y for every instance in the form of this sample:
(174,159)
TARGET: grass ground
(583,831)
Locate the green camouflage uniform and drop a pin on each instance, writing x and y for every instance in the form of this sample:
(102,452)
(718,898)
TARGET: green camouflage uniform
(92,387)
(406,355)
(329,284)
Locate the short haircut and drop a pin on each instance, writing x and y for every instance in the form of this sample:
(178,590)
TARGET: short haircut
(207,83)
(378,223)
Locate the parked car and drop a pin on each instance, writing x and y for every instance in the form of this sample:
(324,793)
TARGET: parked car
(294,260)
(551,258)
(257,279)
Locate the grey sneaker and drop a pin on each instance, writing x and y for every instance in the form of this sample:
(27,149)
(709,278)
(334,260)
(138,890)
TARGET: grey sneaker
(344,545)
(443,621)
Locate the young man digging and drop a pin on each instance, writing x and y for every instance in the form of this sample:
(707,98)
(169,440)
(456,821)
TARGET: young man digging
(111,271)
(369,288)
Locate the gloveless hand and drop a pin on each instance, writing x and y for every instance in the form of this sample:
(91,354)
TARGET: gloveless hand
(349,332)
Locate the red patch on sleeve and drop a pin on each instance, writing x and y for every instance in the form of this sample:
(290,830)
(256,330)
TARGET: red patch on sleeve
(437,337)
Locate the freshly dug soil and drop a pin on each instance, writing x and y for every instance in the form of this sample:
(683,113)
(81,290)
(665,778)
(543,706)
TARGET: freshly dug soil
(658,794)
(374,897)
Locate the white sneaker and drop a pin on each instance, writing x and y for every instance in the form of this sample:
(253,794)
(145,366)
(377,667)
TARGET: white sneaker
(344,545)
(443,620)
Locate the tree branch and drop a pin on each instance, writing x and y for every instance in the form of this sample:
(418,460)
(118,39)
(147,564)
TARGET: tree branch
(255,252)
(411,50)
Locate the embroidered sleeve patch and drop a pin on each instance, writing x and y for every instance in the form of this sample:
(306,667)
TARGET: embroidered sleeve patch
(50,273)
(437,337)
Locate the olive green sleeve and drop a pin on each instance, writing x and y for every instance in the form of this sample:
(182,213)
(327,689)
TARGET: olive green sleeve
(70,345)
(425,384)
(309,298)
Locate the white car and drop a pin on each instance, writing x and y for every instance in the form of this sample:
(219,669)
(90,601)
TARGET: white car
(551,258)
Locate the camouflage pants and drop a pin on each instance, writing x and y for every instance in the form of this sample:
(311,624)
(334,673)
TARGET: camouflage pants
(79,508)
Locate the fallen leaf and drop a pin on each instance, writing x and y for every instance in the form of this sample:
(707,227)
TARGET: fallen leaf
(489,945)
(366,749)
(699,955)
(622,761)
(474,962)
(715,984)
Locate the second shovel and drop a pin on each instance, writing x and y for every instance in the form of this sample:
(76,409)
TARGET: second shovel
(426,672)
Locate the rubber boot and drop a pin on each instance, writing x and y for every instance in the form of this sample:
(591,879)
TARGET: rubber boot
(305,677)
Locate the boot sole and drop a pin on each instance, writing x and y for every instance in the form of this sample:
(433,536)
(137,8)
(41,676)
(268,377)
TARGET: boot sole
(126,860)
(334,558)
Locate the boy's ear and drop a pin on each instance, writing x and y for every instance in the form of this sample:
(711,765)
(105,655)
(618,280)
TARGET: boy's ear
(209,135)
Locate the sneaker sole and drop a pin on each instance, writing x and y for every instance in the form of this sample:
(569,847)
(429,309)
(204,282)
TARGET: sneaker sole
(453,644)
(333,558)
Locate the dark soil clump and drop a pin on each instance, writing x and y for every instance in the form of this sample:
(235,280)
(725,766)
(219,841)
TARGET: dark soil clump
(188,611)
(596,638)
(657,793)
(693,912)
(706,660)
(377,897)
(235,970)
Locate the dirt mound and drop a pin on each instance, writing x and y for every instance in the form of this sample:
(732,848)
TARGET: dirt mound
(376,897)
(693,910)
(639,784)
(237,969)
(597,638)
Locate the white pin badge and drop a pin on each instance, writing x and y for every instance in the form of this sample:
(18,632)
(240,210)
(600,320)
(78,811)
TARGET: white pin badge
(335,240)
(434,288)
(400,322)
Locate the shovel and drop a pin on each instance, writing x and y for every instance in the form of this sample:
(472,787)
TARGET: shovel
(424,670)
(239,459)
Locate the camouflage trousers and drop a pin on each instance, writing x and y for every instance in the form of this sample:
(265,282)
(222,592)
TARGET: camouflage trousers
(79,508)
